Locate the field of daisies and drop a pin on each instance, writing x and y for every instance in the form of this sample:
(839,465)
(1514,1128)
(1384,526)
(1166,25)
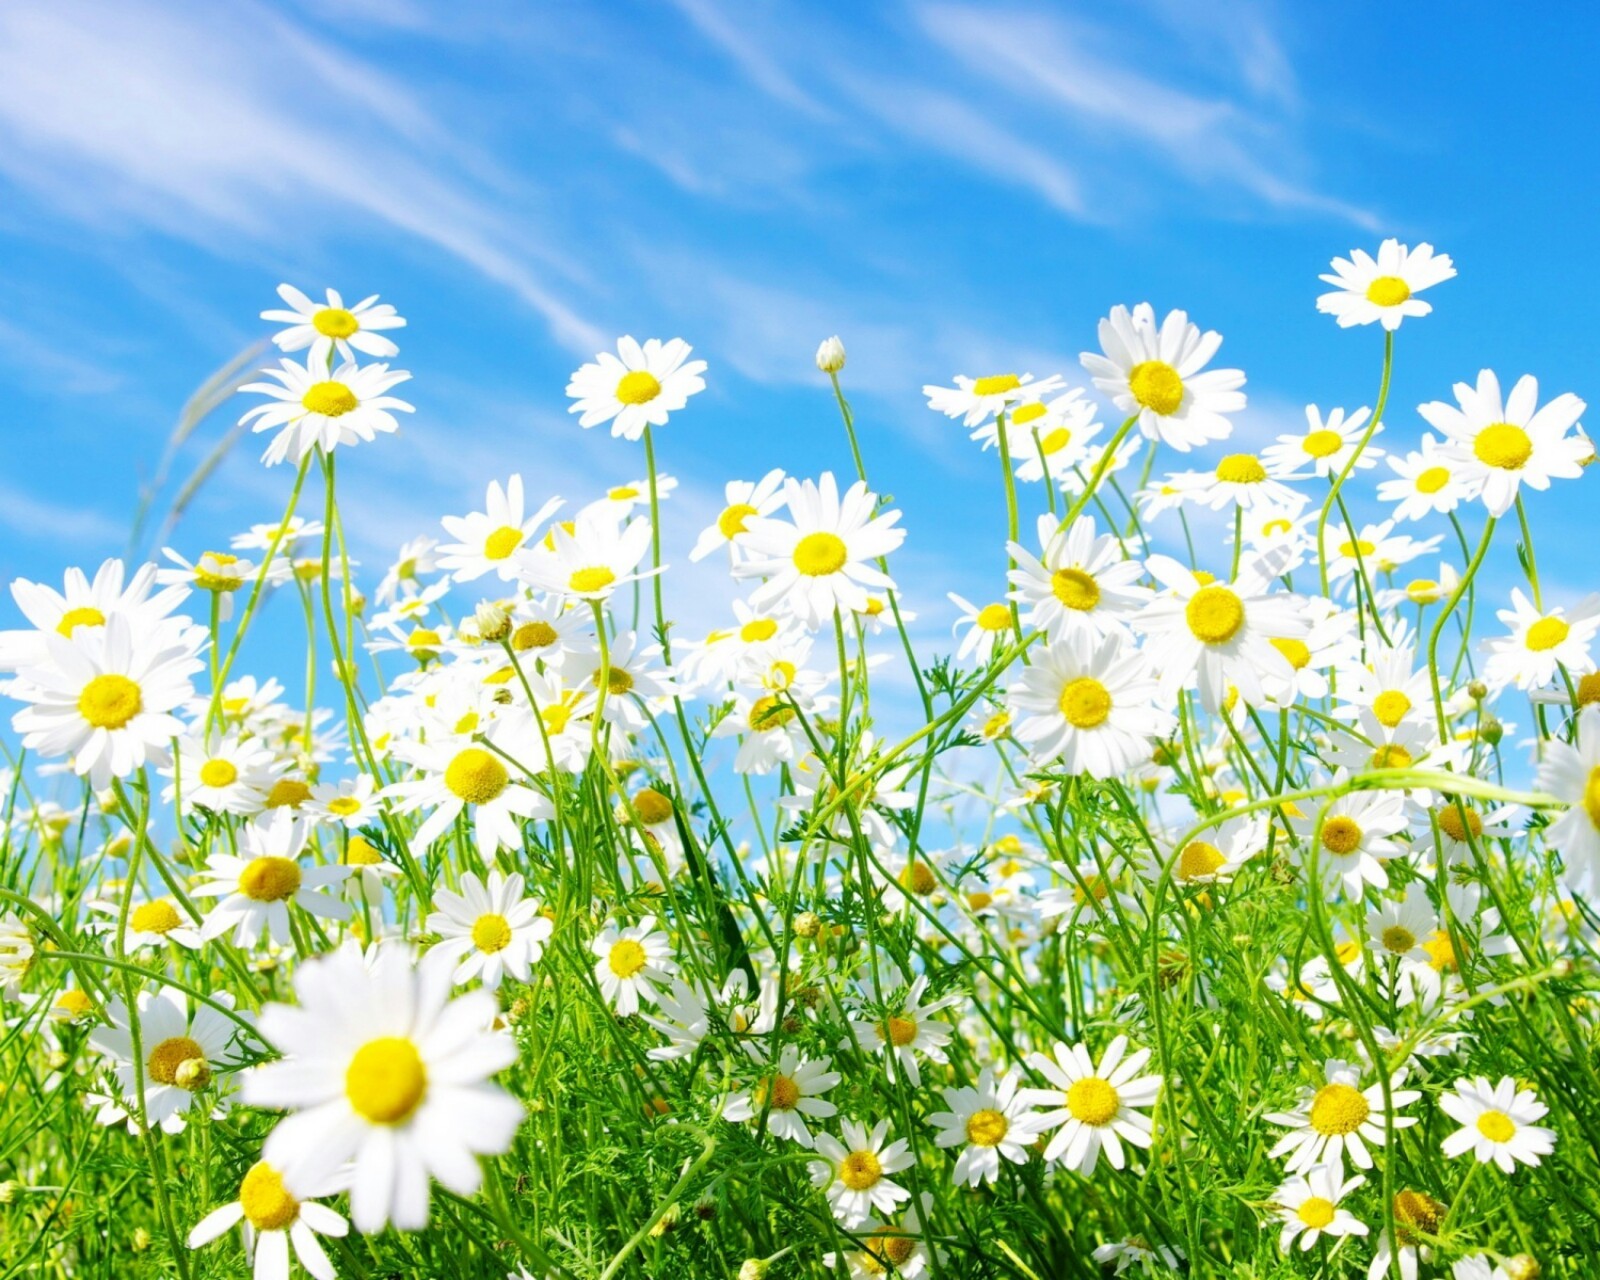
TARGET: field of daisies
(1228,909)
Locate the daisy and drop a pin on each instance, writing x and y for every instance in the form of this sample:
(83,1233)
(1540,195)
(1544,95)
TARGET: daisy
(787,1095)
(1497,1123)
(1339,1118)
(1309,1205)
(889,1247)
(153,923)
(1376,549)
(369,868)
(816,562)
(1388,685)
(635,682)
(683,1018)
(984,627)
(630,964)
(621,500)
(105,699)
(1222,632)
(1215,857)
(288,538)
(491,929)
(312,407)
(1480,1266)
(910,1030)
(1497,445)
(458,773)
(741,500)
(590,559)
(1572,775)
(1327,445)
(1245,480)
(1400,929)
(221,573)
(1415,1212)
(1383,289)
(548,628)
(351,803)
(1125,1255)
(1541,643)
(256,889)
(84,603)
(1156,375)
(182,1055)
(1330,642)
(1054,437)
(1092,707)
(1428,483)
(416,557)
(1095,1106)
(334,327)
(488,541)
(1079,585)
(855,1173)
(382,1069)
(222,772)
(270,1220)
(974,399)
(989,1120)
(637,387)
(1355,838)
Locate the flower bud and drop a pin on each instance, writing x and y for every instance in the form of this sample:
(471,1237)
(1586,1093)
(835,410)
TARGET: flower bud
(142,1240)
(1523,1267)
(755,1268)
(493,619)
(192,1074)
(1477,690)
(830,355)
(1491,731)
(807,924)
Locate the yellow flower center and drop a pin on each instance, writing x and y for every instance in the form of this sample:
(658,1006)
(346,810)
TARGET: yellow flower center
(361,852)
(1338,1109)
(162,1065)
(1419,1210)
(1092,1101)
(860,1170)
(1449,819)
(270,879)
(335,322)
(1589,689)
(1199,859)
(1502,445)
(1591,797)
(995,384)
(1390,707)
(1241,468)
(1214,614)
(1441,953)
(1341,836)
(110,701)
(1316,1212)
(159,916)
(1156,386)
(1391,755)
(288,793)
(73,1003)
(386,1080)
(83,616)
(627,958)
(491,933)
(994,617)
(1026,413)
(330,399)
(1085,702)
(731,522)
(475,776)
(1388,291)
(1547,633)
(533,635)
(882,1248)
(1398,939)
(502,542)
(818,554)
(218,773)
(267,1206)
(652,807)
(638,387)
(1075,589)
(1432,480)
(618,681)
(1496,1126)
(344,806)
(986,1128)
(1359,546)
(758,630)
(1054,442)
(897,1031)
(594,578)
(768,713)
(1322,444)
(211,572)
(918,878)
(785,1093)
(1296,652)
(424,642)
(623,493)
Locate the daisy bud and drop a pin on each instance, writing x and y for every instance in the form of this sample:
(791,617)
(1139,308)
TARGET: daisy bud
(1477,690)
(807,924)
(8,1190)
(1491,731)
(830,355)
(142,1240)
(1522,1267)
(192,1074)
(493,619)
(755,1268)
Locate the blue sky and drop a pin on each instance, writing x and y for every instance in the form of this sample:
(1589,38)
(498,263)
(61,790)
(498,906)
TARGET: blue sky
(953,187)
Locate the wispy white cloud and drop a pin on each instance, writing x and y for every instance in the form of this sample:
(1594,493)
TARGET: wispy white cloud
(762,69)
(37,519)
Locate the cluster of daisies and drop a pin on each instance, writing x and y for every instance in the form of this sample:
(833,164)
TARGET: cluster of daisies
(1248,787)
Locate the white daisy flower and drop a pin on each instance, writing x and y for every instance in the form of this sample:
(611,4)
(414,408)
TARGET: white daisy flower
(220,573)
(1156,373)
(1094,1106)
(635,680)
(788,1094)
(1376,549)
(683,1018)
(896,1248)
(817,561)
(312,407)
(621,500)
(1480,1266)
(1541,643)
(1330,642)
(990,1120)
(490,929)
(351,802)
(382,1069)
(1309,1205)
(1401,929)
(1429,483)
(225,773)
(975,399)
(589,559)
(288,538)
(256,889)
(416,557)
(182,1054)
(1339,1119)
(855,1173)
(488,541)
(741,500)
(1213,857)
(631,962)
(334,327)
(1572,775)
(1079,585)
(1497,1123)
(1124,1255)
(637,387)
(1242,479)
(270,1220)
(1327,445)
(911,1030)
(1054,437)
(455,774)
(1093,708)
(984,627)
(1383,289)
(1497,445)
(85,603)
(152,923)
(1356,838)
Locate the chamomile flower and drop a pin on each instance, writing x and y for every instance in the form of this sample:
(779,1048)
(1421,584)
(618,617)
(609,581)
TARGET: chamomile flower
(634,679)
(912,1029)
(85,604)
(490,929)
(222,772)
(1327,444)
(182,1053)
(631,962)
(1496,445)
(990,1121)
(589,560)
(741,500)
(351,803)
(1053,437)
(1078,585)
(1376,549)
(334,327)
(270,1221)
(311,406)
(621,500)
(1400,929)
(453,774)
(899,1246)
(975,399)
(639,386)
(1428,483)
(154,922)
(1310,1206)
(256,889)
(1339,1119)
(1094,1106)
(1242,479)
(1497,1123)
(855,1174)
(488,541)
(1215,856)
(1124,1256)
(818,560)
(1095,708)
(416,557)
(380,1068)
(1572,775)
(1330,642)
(788,1094)
(1159,375)
(1355,839)
(1383,289)
(984,628)
(1541,643)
